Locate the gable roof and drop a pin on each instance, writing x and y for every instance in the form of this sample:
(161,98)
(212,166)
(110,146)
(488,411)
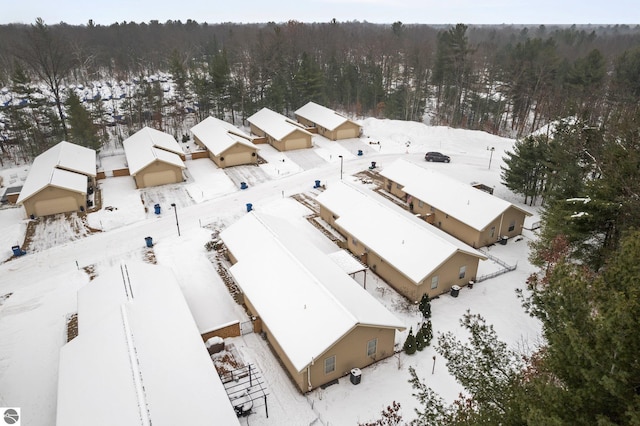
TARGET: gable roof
(134,334)
(148,145)
(322,116)
(467,204)
(159,139)
(64,165)
(411,245)
(307,301)
(218,135)
(274,124)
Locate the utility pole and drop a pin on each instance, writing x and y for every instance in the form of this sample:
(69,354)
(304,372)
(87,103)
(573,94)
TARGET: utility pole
(175,210)
(491,155)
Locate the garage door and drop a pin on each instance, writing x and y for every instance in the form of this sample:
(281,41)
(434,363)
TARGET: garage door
(347,133)
(296,143)
(238,158)
(55,206)
(158,178)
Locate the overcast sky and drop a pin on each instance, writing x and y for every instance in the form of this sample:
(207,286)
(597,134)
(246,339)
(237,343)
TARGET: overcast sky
(377,11)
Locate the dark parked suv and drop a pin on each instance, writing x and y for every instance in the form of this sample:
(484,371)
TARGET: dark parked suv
(437,156)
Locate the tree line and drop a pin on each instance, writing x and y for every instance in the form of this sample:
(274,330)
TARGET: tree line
(508,80)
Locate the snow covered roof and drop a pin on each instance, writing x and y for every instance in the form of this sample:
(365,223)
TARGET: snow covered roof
(457,199)
(64,165)
(159,139)
(411,245)
(138,358)
(274,124)
(148,145)
(320,115)
(347,262)
(307,301)
(218,135)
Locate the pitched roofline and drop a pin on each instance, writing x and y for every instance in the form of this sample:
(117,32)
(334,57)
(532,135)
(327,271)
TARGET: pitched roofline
(306,270)
(49,184)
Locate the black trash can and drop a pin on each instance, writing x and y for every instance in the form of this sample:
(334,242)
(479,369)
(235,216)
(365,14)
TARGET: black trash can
(355,376)
(455,290)
(503,240)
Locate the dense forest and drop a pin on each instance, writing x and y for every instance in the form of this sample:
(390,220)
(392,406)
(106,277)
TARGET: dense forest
(569,95)
(508,80)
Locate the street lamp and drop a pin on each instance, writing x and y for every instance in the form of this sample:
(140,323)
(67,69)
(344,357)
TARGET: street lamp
(341,161)
(175,210)
(491,155)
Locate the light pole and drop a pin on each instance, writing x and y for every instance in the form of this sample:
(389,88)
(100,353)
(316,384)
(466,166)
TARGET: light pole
(175,210)
(491,155)
(341,161)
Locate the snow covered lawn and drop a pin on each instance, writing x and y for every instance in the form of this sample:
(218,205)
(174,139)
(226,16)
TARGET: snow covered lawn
(121,204)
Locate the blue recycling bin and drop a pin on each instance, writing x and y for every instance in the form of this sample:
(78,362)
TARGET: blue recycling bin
(149,241)
(317,185)
(243,185)
(249,207)
(359,152)
(157,208)
(17,251)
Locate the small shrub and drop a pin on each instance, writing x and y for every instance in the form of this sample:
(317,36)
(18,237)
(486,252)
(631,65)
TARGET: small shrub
(212,245)
(421,343)
(410,344)
(425,306)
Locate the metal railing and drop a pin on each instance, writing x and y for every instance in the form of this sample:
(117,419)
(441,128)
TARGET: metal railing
(505,268)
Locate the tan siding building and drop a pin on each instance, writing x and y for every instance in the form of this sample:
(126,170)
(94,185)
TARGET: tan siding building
(414,257)
(318,320)
(329,123)
(281,132)
(469,214)
(227,145)
(58,180)
(154,158)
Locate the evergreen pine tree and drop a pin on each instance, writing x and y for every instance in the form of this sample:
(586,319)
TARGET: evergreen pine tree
(427,333)
(421,343)
(490,373)
(425,306)
(588,372)
(410,344)
(525,168)
(83,131)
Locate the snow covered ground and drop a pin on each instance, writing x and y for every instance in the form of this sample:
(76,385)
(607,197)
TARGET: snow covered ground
(38,290)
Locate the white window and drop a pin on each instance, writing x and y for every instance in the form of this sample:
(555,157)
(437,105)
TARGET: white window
(420,203)
(330,365)
(354,241)
(463,271)
(492,232)
(512,225)
(434,282)
(372,347)
(398,186)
